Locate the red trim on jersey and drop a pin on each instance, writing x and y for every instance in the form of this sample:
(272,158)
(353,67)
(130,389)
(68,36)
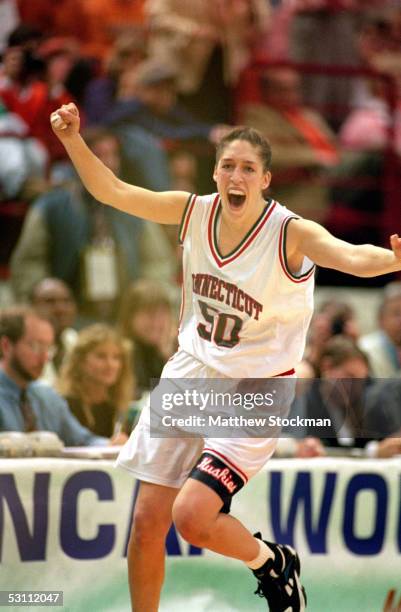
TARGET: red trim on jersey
(288,373)
(228,461)
(182,306)
(187,218)
(222,261)
(294,279)
(210,227)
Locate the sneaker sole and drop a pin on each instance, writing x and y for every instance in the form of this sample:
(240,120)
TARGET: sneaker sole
(297,572)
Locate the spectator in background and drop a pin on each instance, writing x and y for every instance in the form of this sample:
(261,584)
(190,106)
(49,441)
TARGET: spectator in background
(59,56)
(148,161)
(25,90)
(379,39)
(148,97)
(19,57)
(367,128)
(26,341)
(209,44)
(147,320)
(383,418)
(23,159)
(338,395)
(96,250)
(146,100)
(362,196)
(9,19)
(303,144)
(107,20)
(334,22)
(66,69)
(52,299)
(370,138)
(356,203)
(94,23)
(331,319)
(383,346)
(61,18)
(26,37)
(96,380)
(363,414)
(128,50)
(358,186)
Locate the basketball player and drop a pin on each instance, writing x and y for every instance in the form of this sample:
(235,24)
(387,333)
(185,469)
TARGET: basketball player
(248,284)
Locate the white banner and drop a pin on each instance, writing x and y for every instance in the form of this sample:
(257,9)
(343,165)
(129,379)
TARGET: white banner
(64,526)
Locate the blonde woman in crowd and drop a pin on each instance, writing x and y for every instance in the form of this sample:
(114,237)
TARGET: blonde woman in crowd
(97,381)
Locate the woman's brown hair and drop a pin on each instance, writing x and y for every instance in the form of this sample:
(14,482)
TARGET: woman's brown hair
(72,376)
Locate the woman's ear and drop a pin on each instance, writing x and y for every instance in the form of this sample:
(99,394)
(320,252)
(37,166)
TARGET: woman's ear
(266,180)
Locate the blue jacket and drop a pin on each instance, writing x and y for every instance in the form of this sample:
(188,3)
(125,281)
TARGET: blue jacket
(176,124)
(51,411)
(67,215)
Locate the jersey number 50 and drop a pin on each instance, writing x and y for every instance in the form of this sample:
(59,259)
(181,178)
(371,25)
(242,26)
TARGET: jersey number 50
(222,328)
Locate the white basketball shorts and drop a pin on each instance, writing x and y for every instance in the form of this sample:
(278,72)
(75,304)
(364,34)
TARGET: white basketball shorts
(225,464)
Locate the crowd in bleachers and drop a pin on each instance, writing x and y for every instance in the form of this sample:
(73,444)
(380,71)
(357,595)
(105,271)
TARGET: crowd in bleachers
(157,83)
(354,379)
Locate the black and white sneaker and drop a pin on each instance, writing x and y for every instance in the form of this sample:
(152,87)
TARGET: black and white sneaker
(278,580)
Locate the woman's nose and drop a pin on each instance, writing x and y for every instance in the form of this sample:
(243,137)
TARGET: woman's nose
(236,175)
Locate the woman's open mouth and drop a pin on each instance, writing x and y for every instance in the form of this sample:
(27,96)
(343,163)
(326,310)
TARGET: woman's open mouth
(236,198)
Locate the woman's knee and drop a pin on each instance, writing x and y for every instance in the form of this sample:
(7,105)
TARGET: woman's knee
(148,526)
(190,523)
(151,521)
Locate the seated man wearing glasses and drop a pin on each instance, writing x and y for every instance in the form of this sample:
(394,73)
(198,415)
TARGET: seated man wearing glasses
(26,343)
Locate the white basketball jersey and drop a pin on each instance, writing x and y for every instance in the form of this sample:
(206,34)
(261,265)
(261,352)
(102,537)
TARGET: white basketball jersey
(243,314)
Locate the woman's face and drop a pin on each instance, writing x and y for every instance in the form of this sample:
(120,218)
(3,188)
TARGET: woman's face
(240,179)
(152,326)
(103,364)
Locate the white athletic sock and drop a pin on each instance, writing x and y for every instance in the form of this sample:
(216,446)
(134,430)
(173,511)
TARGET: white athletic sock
(265,553)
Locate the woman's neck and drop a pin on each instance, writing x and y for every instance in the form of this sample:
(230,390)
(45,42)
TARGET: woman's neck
(240,227)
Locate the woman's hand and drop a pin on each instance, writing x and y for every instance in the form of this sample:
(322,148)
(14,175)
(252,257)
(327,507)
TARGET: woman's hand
(310,447)
(118,439)
(65,121)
